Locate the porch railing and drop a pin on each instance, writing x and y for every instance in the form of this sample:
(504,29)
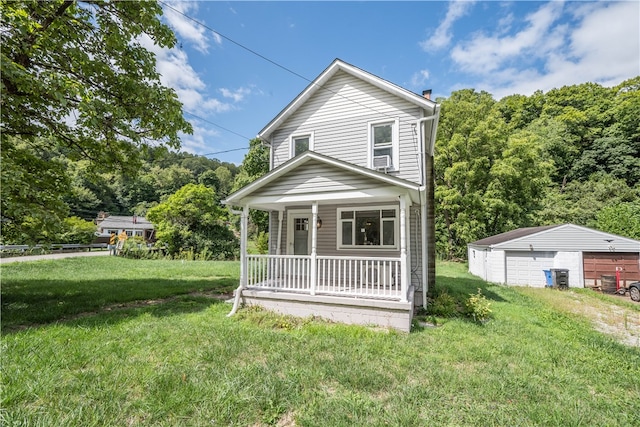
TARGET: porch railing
(346,276)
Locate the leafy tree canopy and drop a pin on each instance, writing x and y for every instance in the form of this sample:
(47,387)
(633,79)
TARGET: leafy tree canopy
(191,219)
(77,80)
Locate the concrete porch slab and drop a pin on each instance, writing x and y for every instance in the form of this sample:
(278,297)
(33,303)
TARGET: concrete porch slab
(359,311)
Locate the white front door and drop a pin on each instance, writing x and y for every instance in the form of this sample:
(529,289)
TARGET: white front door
(298,233)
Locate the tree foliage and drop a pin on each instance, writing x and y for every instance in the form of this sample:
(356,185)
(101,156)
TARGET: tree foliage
(191,219)
(570,155)
(254,165)
(77,81)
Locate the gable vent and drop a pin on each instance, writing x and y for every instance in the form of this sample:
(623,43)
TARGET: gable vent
(382,162)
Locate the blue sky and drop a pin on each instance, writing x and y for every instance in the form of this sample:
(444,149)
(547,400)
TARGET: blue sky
(230,91)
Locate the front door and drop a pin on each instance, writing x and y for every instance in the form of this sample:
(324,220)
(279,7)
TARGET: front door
(299,236)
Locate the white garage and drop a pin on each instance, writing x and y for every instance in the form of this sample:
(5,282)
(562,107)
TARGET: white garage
(519,257)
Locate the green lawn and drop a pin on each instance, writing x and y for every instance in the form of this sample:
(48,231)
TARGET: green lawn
(176,359)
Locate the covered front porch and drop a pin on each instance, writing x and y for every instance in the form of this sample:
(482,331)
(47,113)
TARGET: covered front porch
(342,254)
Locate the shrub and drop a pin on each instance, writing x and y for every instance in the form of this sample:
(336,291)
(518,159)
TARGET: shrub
(443,305)
(262,242)
(478,307)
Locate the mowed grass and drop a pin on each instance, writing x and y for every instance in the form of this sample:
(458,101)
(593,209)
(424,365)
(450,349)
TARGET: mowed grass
(181,361)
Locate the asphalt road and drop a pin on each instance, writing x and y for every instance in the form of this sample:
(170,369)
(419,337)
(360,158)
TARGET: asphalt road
(53,256)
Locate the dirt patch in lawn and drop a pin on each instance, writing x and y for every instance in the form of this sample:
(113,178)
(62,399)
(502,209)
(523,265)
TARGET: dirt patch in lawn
(616,320)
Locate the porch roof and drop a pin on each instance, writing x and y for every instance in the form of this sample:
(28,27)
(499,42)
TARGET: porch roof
(316,177)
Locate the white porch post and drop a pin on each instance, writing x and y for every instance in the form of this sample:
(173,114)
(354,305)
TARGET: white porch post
(314,245)
(244,216)
(404,281)
(279,242)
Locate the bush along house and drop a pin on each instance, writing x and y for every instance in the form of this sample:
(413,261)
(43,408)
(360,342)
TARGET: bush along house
(348,195)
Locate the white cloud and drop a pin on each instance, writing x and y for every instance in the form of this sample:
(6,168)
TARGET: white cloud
(176,72)
(186,28)
(419,78)
(237,95)
(488,53)
(441,37)
(200,141)
(598,42)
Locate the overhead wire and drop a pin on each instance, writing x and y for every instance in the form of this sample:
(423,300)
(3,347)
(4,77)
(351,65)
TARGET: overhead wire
(242,46)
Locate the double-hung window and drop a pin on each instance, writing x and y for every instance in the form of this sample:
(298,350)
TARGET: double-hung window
(368,227)
(300,143)
(383,145)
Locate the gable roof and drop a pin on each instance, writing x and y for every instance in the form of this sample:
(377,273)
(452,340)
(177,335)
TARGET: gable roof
(512,235)
(326,75)
(125,222)
(297,162)
(557,234)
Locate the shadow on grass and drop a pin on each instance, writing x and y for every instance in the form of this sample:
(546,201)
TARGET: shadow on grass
(462,287)
(33,303)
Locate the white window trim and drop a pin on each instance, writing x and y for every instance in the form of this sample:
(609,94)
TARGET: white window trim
(292,140)
(395,161)
(396,228)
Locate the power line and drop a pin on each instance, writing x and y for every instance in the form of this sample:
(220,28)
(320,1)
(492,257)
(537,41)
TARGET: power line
(272,61)
(234,42)
(217,125)
(225,151)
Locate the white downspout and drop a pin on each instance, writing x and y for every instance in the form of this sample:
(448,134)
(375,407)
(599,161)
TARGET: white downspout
(423,204)
(244,215)
(404,282)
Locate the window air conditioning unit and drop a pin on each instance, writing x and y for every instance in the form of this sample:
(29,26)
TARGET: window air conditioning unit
(382,162)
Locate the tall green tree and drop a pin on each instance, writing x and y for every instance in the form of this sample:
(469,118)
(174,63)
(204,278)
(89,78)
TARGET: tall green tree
(191,219)
(254,165)
(490,176)
(75,78)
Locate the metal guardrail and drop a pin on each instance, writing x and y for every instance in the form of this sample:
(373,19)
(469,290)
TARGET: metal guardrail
(53,247)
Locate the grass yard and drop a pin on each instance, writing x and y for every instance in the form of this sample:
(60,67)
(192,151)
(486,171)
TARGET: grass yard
(113,342)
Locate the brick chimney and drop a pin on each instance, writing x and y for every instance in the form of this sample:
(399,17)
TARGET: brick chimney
(427,93)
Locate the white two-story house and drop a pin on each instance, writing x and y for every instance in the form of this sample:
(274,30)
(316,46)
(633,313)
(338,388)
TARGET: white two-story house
(347,197)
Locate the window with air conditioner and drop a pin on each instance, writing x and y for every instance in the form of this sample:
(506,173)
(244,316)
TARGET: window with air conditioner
(383,145)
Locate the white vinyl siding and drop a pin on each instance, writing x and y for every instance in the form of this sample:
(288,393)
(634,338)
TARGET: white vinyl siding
(339,119)
(316,177)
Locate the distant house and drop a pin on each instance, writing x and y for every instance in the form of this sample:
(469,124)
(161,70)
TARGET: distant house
(519,257)
(347,199)
(132,225)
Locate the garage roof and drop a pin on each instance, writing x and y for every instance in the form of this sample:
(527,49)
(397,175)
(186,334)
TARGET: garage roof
(511,235)
(562,237)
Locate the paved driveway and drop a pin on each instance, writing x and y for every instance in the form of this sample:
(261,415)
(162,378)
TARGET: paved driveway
(52,256)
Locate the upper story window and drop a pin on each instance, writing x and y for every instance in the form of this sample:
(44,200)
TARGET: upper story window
(370,227)
(384,145)
(300,143)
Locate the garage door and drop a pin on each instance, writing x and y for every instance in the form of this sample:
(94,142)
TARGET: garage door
(598,264)
(526,268)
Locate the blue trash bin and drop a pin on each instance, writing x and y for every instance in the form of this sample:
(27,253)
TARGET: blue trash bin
(547,275)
